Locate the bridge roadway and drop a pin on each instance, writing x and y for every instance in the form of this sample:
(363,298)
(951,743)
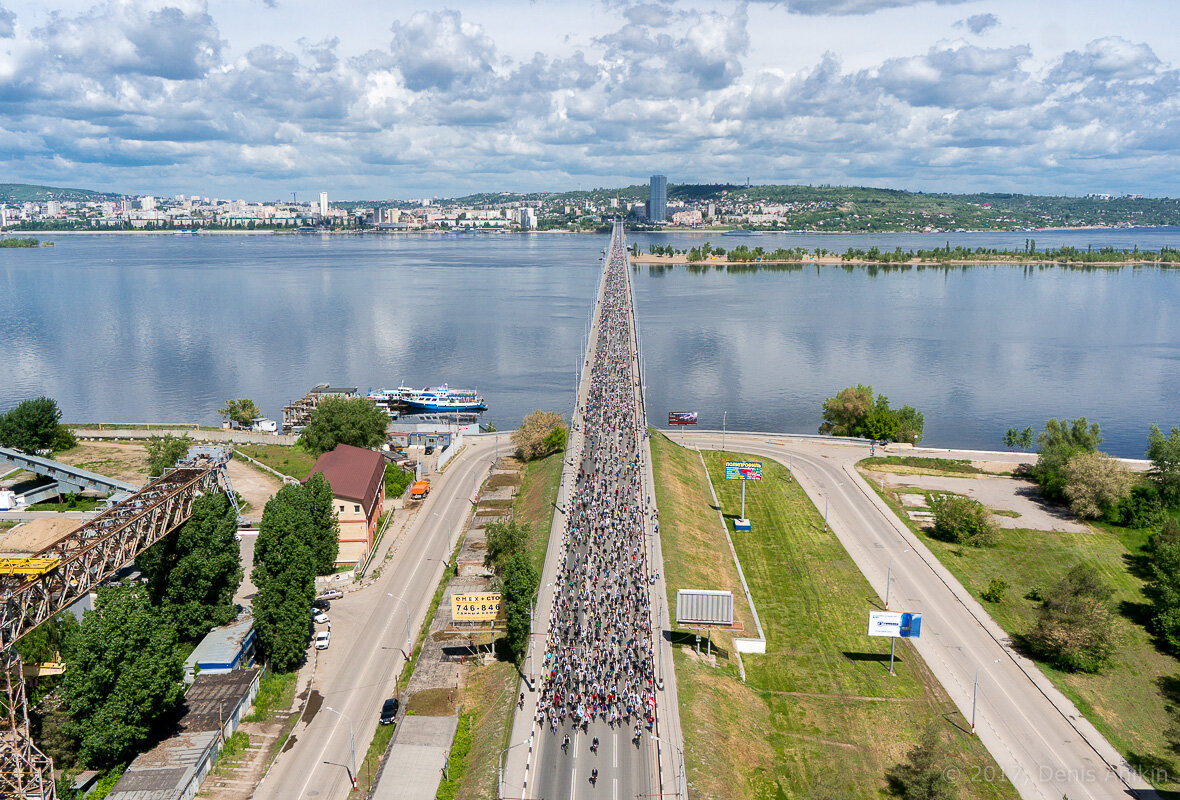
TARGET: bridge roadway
(1043,744)
(536,765)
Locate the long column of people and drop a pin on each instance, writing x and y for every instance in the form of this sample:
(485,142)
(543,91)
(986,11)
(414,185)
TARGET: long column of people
(598,662)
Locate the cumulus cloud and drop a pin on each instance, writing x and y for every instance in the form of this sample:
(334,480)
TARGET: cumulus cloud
(979,24)
(439,50)
(7,23)
(89,95)
(849,7)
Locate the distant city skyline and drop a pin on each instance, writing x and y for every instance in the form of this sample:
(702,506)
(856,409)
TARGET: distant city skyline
(268,97)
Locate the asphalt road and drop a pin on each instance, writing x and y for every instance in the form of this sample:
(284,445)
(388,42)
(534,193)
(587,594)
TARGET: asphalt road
(369,637)
(1039,739)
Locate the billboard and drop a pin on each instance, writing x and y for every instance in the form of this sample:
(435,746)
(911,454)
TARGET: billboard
(743,470)
(482,607)
(704,607)
(895,624)
(682,418)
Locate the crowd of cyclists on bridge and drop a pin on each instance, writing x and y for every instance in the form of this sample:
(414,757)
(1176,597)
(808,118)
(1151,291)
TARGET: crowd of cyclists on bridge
(598,663)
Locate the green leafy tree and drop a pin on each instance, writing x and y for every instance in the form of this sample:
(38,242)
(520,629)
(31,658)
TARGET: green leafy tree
(284,572)
(34,425)
(532,437)
(1164,587)
(505,539)
(193,573)
(1164,454)
(963,521)
(325,528)
(242,411)
(1095,483)
(1019,439)
(122,684)
(344,420)
(165,451)
(1075,628)
(519,583)
(911,424)
(844,414)
(555,441)
(923,774)
(1060,441)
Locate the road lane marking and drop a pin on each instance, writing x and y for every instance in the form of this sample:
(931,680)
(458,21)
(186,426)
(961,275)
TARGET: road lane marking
(615,789)
(573,781)
(615,754)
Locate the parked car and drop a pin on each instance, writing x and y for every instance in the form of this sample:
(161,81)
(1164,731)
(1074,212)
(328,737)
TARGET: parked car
(429,450)
(322,605)
(389,711)
(330,594)
(319,616)
(322,639)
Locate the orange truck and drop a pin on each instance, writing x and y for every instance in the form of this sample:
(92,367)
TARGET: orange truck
(419,490)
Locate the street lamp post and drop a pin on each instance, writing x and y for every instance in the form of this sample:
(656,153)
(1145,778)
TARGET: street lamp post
(975,693)
(500,773)
(680,787)
(889,577)
(351,742)
(828,492)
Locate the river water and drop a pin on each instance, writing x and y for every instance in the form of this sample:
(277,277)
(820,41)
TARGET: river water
(165,328)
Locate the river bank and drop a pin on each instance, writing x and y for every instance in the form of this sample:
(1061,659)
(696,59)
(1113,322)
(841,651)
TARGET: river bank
(837,260)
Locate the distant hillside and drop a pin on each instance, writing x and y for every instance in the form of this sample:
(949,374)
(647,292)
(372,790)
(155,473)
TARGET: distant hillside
(28,193)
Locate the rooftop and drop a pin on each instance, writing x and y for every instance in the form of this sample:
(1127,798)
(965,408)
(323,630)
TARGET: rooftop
(354,473)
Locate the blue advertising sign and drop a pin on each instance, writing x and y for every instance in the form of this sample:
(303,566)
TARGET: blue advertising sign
(911,626)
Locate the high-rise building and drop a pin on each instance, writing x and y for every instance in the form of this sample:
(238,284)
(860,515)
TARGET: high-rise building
(147,203)
(657,208)
(323,204)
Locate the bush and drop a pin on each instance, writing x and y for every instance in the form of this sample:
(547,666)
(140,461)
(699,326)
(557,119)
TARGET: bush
(1075,625)
(533,437)
(963,521)
(1095,483)
(923,775)
(164,451)
(994,593)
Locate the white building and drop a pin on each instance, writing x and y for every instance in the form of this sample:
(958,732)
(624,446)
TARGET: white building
(527,218)
(323,204)
(148,203)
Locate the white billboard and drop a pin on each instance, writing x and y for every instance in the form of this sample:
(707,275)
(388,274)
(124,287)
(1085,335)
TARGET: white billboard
(895,624)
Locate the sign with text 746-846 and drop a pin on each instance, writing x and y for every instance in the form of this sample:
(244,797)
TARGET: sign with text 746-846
(481,607)
(895,624)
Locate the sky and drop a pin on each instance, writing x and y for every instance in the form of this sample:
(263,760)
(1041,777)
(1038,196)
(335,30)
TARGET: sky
(376,99)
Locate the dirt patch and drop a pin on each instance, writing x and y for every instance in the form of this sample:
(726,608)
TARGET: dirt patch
(34,536)
(125,461)
(432,703)
(254,485)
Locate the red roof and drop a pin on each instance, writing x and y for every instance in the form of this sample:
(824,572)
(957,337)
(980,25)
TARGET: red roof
(354,473)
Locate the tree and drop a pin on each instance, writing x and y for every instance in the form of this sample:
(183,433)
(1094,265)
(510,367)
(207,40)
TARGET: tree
(284,572)
(518,586)
(1016,439)
(556,440)
(1059,442)
(531,437)
(910,425)
(344,420)
(165,451)
(1164,586)
(122,685)
(1095,483)
(193,573)
(923,775)
(844,414)
(963,521)
(1164,454)
(34,425)
(1075,624)
(325,527)
(242,411)
(504,539)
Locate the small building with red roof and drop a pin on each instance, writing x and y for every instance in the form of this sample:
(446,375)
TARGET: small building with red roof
(357,478)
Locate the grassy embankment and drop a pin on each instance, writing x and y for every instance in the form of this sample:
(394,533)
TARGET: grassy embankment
(1128,700)
(282,458)
(819,715)
(490,692)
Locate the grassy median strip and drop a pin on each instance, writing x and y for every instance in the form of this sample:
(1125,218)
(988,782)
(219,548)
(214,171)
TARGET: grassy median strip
(819,715)
(1128,701)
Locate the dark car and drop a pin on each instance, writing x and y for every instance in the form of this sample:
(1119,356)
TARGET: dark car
(429,449)
(389,711)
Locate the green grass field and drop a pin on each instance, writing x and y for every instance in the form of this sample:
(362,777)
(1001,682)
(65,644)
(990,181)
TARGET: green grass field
(819,715)
(287,460)
(533,504)
(1128,701)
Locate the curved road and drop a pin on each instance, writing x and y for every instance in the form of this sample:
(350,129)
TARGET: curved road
(1039,739)
(369,637)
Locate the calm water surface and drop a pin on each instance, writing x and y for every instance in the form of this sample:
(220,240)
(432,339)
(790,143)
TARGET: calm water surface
(165,328)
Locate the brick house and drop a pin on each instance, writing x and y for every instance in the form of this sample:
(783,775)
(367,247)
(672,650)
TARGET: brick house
(357,478)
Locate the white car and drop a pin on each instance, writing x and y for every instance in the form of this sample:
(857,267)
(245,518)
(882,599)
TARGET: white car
(321,640)
(319,616)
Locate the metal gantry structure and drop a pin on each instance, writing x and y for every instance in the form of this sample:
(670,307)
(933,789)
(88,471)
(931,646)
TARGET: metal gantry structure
(34,589)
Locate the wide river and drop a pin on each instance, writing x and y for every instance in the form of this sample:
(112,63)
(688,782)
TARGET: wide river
(165,328)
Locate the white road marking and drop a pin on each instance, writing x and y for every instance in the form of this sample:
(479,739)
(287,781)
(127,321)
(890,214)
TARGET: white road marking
(615,789)
(573,781)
